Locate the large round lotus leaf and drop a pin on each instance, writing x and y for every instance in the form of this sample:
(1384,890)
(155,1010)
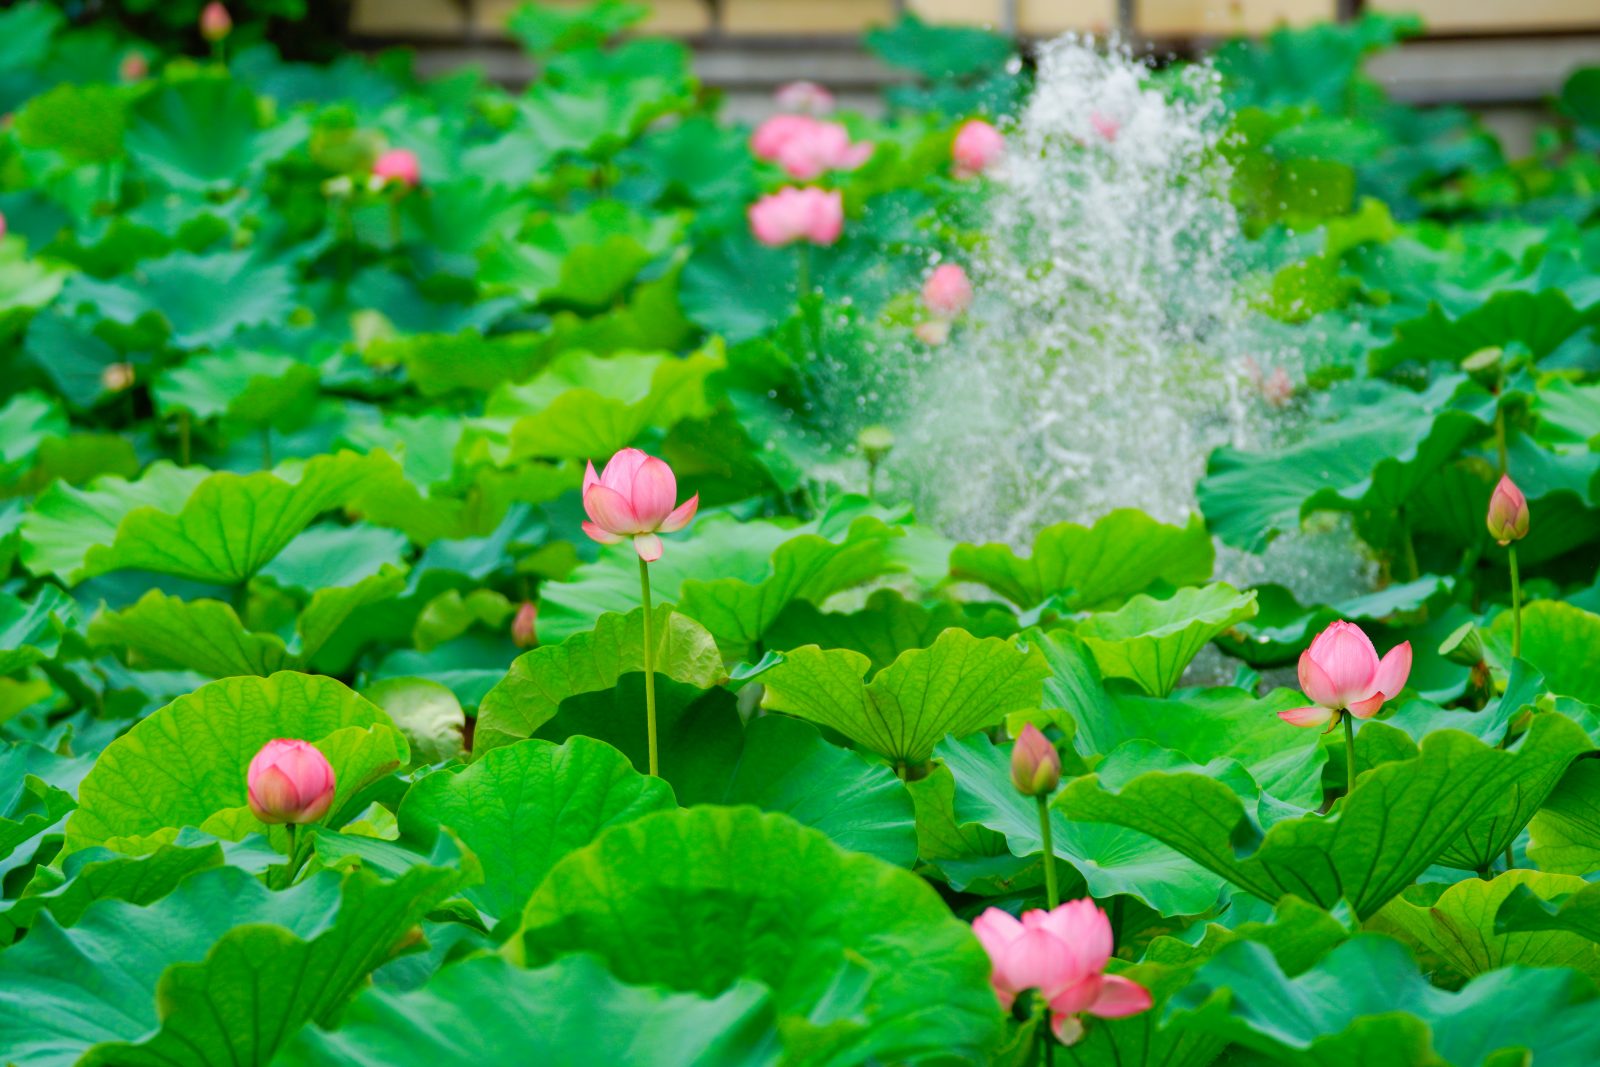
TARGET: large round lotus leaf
(865,962)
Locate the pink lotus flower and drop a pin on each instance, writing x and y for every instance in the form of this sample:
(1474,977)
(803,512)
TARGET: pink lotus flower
(1106,126)
(134,67)
(215,22)
(1062,954)
(825,146)
(1035,763)
(524,625)
(1508,512)
(977,147)
(290,781)
(769,138)
(633,498)
(947,292)
(793,214)
(398,165)
(808,98)
(1341,672)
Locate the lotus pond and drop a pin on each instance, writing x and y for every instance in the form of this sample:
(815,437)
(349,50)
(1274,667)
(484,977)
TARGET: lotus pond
(1093,564)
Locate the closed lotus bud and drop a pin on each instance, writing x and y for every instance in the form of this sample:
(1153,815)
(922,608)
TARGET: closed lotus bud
(875,443)
(1035,763)
(215,22)
(134,67)
(523,625)
(290,782)
(1508,512)
(116,377)
(398,165)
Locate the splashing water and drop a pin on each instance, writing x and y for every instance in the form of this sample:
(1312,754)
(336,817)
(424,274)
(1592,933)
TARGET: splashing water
(1101,362)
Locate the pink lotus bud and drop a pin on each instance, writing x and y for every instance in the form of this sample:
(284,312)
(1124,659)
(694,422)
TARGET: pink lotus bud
(794,214)
(1508,512)
(1106,126)
(934,332)
(1035,763)
(524,630)
(215,22)
(634,498)
(134,67)
(769,138)
(977,147)
(398,165)
(821,147)
(1341,672)
(1062,954)
(290,782)
(947,292)
(116,377)
(808,98)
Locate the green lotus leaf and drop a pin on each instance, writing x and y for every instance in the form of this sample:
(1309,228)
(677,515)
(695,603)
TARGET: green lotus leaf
(584,406)
(542,30)
(85,123)
(1283,627)
(1091,567)
(31,630)
(98,874)
(1403,815)
(71,356)
(569,1012)
(1556,904)
(583,260)
(600,113)
(426,712)
(200,635)
(738,288)
(1152,641)
(26,421)
(957,685)
(332,555)
(203,299)
(1373,461)
(443,363)
(65,522)
(1453,929)
(1539,321)
(888,625)
(185,764)
(194,977)
(1111,860)
(522,807)
(1565,834)
(532,691)
(32,804)
(786,766)
(863,960)
(1365,1003)
(232,525)
(203,133)
(1563,642)
(249,388)
(25,283)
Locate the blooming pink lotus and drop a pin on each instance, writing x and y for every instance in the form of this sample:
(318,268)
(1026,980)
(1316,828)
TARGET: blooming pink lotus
(633,498)
(290,782)
(807,148)
(1341,672)
(805,97)
(215,22)
(398,165)
(1061,953)
(793,214)
(978,146)
(1508,512)
(947,292)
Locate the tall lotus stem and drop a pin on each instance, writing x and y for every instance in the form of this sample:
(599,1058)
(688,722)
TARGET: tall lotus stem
(1508,523)
(1035,772)
(1349,752)
(1052,893)
(649,667)
(1516,603)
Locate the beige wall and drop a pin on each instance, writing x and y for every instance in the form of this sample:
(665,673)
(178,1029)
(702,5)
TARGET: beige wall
(1499,16)
(1155,18)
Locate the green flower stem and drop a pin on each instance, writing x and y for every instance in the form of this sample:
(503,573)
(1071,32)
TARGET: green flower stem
(266,448)
(396,231)
(1052,893)
(649,666)
(185,438)
(291,866)
(1349,752)
(811,314)
(1516,603)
